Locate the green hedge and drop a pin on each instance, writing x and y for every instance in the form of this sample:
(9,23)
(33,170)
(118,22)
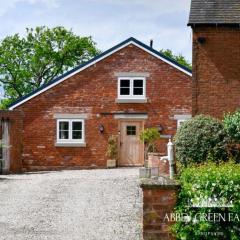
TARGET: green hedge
(199,139)
(232,125)
(200,185)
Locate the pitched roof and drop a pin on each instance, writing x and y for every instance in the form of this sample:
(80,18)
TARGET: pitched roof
(96,59)
(215,12)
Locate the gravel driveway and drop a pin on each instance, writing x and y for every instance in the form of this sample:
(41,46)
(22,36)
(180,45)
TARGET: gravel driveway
(66,205)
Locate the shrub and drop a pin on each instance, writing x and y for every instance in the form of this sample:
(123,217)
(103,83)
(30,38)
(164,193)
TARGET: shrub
(232,125)
(206,190)
(200,139)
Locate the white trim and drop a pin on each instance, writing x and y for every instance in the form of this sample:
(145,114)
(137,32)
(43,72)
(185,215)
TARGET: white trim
(182,117)
(130,116)
(131,74)
(131,100)
(70,140)
(165,60)
(70,144)
(94,62)
(180,121)
(131,95)
(70,116)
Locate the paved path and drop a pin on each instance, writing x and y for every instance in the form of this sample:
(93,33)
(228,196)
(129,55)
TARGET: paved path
(67,205)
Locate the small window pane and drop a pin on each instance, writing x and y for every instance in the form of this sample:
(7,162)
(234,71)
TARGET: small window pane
(77,125)
(63,130)
(125,87)
(131,130)
(138,87)
(63,125)
(77,135)
(138,83)
(138,91)
(124,91)
(63,134)
(125,83)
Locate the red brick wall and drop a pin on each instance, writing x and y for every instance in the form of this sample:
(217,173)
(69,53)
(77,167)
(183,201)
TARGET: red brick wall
(216,72)
(158,200)
(94,91)
(15,135)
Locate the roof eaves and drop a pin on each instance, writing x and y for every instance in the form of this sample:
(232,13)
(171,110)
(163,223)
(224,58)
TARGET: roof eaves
(95,59)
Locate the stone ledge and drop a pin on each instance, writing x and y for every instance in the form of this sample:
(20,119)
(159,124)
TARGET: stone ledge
(161,182)
(130,100)
(70,144)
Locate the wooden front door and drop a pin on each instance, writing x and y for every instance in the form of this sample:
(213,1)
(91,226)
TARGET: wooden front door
(131,148)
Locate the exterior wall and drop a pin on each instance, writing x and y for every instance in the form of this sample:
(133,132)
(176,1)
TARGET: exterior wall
(159,200)
(93,91)
(216,74)
(14,119)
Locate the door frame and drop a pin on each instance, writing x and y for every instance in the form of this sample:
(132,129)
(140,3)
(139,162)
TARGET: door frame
(142,122)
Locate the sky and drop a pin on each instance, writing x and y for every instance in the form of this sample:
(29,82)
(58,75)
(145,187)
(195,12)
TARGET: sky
(109,22)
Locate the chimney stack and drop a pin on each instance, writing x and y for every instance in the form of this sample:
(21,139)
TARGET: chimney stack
(151,43)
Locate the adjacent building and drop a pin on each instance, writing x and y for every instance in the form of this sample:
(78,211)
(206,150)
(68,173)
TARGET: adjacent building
(216,56)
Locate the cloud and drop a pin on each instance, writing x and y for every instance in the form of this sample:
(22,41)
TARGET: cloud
(9,4)
(161,6)
(107,21)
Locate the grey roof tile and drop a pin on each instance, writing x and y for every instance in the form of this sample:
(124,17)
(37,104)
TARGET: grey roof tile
(215,12)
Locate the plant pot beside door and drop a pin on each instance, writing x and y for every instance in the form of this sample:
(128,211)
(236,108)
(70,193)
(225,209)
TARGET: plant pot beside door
(112,151)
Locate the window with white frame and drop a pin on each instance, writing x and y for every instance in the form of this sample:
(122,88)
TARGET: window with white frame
(131,88)
(180,122)
(70,131)
(181,119)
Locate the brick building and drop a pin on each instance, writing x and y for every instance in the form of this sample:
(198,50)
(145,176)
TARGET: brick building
(67,122)
(216,56)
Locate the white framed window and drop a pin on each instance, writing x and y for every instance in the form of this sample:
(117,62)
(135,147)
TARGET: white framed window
(131,88)
(180,122)
(70,131)
(181,119)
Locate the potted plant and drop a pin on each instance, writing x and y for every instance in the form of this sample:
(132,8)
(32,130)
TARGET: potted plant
(112,151)
(148,136)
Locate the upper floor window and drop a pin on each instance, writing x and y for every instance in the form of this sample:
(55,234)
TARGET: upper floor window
(131,88)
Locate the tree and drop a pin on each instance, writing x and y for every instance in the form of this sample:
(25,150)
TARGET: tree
(149,136)
(178,58)
(41,55)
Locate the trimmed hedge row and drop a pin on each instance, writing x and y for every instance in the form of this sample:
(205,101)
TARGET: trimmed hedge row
(209,191)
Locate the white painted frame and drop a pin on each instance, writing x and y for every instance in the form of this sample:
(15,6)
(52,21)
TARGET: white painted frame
(131,116)
(97,60)
(182,118)
(70,140)
(132,96)
(180,121)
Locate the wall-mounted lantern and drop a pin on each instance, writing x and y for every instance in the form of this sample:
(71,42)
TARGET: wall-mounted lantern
(201,40)
(101,128)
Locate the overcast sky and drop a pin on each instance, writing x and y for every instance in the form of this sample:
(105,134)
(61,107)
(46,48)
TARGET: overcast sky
(107,21)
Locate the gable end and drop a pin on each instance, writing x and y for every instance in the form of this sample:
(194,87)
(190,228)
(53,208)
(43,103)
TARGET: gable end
(96,59)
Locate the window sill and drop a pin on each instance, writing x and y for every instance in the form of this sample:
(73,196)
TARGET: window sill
(70,144)
(130,100)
